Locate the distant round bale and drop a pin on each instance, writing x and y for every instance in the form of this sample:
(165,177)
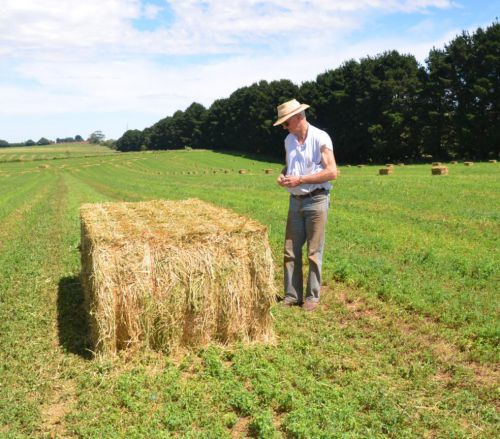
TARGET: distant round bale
(243,171)
(268,171)
(174,274)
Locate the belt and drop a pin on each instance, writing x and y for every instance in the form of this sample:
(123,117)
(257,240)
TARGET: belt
(312,193)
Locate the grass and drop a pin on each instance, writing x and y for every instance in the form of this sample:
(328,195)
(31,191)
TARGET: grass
(405,343)
(51,152)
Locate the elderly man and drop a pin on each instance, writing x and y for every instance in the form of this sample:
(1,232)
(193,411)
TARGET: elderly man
(310,165)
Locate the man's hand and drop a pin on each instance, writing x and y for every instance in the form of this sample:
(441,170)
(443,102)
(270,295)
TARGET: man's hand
(280,180)
(292,181)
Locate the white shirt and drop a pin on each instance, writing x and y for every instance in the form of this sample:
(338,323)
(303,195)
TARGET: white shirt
(305,159)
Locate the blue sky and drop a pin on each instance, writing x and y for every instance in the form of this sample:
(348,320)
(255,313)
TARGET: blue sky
(71,67)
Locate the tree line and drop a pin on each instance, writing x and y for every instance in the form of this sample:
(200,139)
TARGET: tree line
(377,109)
(97,137)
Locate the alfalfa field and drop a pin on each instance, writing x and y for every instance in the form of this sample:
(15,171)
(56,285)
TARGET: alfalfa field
(404,344)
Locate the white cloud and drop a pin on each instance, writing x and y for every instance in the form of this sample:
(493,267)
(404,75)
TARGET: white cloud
(199,26)
(87,56)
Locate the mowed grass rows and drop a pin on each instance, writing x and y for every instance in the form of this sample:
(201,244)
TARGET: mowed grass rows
(405,343)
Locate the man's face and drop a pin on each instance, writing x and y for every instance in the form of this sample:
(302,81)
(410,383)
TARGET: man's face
(291,124)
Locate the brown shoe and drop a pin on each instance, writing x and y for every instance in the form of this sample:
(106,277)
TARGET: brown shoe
(310,305)
(287,302)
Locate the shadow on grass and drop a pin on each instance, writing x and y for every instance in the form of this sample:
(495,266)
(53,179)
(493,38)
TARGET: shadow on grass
(72,320)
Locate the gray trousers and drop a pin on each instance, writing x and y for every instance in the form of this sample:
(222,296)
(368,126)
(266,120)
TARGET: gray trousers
(307,218)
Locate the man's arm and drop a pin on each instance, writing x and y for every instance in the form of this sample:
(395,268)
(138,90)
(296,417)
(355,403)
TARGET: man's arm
(281,179)
(328,173)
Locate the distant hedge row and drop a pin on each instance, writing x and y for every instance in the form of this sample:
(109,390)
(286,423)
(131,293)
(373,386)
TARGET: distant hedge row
(383,108)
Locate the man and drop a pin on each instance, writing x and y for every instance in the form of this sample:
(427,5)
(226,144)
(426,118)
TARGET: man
(310,165)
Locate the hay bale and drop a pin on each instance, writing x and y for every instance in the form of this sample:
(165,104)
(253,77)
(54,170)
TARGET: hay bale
(168,274)
(361,166)
(492,161)
(243,171)
(454,162)
(268,171)
(385,171)
(439,170)
(389,165)
(437,164)
(468,163)
(45,166)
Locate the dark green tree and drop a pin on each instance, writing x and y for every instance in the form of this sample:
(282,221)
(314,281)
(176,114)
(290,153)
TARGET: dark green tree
(43,141)
(132,140)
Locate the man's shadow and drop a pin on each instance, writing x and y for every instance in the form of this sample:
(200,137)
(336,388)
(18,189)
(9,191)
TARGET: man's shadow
(72,317)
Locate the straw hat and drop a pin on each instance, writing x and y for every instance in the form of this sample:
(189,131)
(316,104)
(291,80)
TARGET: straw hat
(289,109)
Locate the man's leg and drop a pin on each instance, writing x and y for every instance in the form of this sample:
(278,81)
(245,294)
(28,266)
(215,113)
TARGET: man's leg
(295,237)
(316,216)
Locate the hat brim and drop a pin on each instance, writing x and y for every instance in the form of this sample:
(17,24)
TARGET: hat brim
(289,115)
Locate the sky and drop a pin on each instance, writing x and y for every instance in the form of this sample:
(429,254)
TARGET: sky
(71,67)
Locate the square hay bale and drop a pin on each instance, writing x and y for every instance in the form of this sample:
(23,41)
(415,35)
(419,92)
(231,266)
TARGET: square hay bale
(172,274)
(440,170)
(389,165)
(437,164)
(492,161)
(468,163)
(385,171)
(268,171)
(454,162)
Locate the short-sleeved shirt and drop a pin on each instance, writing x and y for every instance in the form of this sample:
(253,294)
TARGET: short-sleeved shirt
(305,159)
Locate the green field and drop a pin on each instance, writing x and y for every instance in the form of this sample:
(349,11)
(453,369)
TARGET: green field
(51,152)
(405,343)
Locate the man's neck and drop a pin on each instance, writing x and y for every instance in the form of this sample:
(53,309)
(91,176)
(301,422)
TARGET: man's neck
(301,133)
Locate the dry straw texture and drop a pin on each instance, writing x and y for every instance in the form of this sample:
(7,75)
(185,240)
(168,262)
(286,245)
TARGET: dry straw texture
(169,274)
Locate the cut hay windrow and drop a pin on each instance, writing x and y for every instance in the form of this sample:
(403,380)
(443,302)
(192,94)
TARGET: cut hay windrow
(169,274)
